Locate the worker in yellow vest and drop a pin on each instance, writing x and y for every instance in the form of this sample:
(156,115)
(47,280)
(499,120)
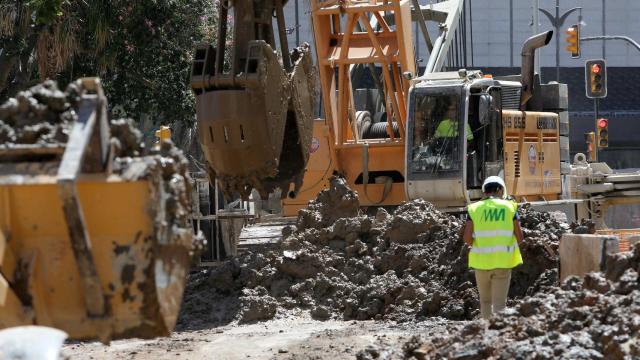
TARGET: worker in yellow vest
(448,127)
(494,234)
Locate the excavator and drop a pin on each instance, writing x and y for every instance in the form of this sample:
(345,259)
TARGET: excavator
(388,140)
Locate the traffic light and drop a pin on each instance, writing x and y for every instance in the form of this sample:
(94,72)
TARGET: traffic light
(603,132)
(573,40)
(596,78)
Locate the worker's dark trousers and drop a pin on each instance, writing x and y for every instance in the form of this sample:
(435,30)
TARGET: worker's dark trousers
(493,286)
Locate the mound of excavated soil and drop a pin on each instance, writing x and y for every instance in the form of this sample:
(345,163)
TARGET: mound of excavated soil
(41,115)
(594,318)
(340,264)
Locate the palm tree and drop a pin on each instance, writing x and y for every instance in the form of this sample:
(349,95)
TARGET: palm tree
(44,36)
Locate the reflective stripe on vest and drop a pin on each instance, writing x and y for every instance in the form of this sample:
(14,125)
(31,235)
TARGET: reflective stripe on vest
(494,249)
(488,233)
(494,244)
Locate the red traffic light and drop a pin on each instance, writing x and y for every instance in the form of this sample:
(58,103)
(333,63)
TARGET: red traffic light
(602,123)
(595,72)
(596,68)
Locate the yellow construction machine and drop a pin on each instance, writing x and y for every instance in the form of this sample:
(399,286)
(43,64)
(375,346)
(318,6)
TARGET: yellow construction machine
(438,134)
(434,135)
(92,242)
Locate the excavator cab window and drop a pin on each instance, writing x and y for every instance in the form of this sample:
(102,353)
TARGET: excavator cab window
(436,138)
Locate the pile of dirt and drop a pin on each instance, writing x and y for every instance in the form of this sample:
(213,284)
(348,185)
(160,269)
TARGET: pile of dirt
(339,264)
(594,318)
(41,115)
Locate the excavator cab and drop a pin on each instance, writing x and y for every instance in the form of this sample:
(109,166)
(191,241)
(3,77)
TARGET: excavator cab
(436,147)
(436,131)
(453,140)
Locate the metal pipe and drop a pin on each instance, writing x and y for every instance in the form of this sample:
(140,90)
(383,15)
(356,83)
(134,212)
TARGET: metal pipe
(423,25)
(536,21)
(613,37)
(223,10)
(471,30)
(528,58)
(511,33)
(604,29)
(558,41)
(297,24)
(282,34)
(434,55)
(464,37)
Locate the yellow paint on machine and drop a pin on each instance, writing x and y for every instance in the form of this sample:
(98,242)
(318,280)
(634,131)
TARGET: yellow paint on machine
(531,154)
(38,261)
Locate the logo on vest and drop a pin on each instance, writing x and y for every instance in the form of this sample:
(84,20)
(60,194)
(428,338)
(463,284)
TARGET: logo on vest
(493,215)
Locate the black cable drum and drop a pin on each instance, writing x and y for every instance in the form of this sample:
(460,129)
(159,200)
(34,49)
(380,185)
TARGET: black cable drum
(379,131)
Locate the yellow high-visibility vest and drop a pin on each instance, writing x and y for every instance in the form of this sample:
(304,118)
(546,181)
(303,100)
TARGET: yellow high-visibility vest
(494,244)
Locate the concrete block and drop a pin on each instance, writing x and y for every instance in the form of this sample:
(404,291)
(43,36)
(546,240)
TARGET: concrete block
(584,253)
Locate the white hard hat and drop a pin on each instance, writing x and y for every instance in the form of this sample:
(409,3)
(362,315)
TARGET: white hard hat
(493,180)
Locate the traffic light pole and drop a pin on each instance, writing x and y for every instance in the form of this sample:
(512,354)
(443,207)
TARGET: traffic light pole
(557,22)
(596,109)
(613,37)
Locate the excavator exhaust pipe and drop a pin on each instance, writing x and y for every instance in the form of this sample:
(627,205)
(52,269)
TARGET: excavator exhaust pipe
(528,57)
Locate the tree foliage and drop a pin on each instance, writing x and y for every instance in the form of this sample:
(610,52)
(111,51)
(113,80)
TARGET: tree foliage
(141,49)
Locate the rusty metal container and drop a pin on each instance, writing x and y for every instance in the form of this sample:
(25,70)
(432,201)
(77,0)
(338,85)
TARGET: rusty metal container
(91,252)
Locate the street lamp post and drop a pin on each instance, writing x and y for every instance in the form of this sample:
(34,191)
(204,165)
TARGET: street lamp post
(557,22)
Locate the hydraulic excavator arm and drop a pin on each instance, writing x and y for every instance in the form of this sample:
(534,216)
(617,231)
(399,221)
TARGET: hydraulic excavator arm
(254,116)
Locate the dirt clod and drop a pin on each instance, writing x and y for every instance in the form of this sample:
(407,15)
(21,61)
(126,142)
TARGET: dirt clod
(40,115)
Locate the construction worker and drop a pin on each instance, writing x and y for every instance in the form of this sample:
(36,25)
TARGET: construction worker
(448,127)
(494,235)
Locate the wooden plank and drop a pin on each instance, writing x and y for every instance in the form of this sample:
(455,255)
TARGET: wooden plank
(363,48)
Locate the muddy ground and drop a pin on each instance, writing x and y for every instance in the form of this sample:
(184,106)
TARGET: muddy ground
(594,318)
(292,338)
(341,285)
